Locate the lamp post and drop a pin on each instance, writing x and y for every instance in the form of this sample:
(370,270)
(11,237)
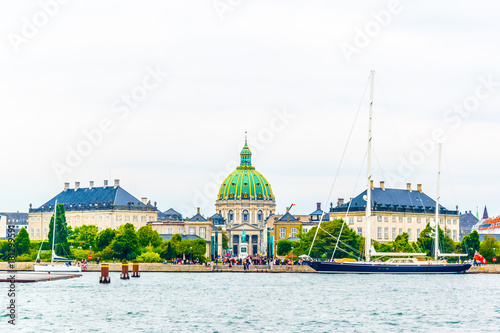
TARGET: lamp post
(191,253)
(494,257)
(292,253)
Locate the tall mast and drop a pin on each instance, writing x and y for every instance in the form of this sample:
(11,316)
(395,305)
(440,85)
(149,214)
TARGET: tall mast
(368,234)
(54,233)
(436,235)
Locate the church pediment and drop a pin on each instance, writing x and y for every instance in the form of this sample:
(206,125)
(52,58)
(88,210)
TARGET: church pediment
(244,226)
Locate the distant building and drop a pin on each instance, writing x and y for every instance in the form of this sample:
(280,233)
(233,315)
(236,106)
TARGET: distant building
(16,221)
(395,211)
(467,221)
(171,215)
(105,207)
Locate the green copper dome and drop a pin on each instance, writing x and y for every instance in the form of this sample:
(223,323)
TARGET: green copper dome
(245,182)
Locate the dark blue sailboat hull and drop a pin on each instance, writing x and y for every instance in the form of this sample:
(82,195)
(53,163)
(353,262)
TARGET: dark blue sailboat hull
(384,268)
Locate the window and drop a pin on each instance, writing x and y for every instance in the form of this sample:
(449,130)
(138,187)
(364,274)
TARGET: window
(100,217)
(203,232)
(360,218)
(379,218)
(351,220)
(293,232)
(86,218)
(427,220)
(127,218)
(418,233)
(38,219)
(386,219)
(259,216)
(408,220)
(151,218)
(135,217)
(400,219)
(393,233)
(449,221)
(32,219)
(143,218)
(38,232)
(394,219)
(360,231)
(118,217)
(418,219)
(409,233)
(92,217)
(107,217)
(440,221)
(304,230)
(169,231)
(230,215)
(454,234)
(379,233)
(46,219)
(181,231)
(454,221)
(192,231)
(386,233)
(400,231)
(282,233)
(32,233)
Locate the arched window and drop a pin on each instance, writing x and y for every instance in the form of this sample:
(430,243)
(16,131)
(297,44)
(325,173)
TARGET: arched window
(245,215)
(230,215)
(259,216)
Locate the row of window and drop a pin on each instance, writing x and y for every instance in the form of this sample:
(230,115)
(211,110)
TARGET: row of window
(100,218)
(293,232)
(245,215)
(400,219)
(400,232)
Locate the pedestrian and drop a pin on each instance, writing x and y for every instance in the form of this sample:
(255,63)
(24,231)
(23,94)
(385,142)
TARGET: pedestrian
(113,260)
(97,260)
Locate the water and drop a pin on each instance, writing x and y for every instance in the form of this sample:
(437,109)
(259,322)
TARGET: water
(253,302)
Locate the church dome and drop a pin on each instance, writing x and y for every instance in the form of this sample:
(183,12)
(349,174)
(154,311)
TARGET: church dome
(245,183)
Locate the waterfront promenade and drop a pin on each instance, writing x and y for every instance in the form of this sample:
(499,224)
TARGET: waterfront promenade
(158,267)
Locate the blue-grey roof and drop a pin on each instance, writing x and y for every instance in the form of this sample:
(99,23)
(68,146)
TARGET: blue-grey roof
(393,200)
(317,212)
(171,211)
(197,218)
(216,216)
(94,197)
(287,218)
(467,221)
(167,237)
(293,239)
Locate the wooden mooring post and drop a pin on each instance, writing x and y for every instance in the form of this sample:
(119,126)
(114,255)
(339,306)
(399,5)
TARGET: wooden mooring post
(104,274)
(135,270)
(124,275)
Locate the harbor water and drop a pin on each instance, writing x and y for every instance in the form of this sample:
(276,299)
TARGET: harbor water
(256,302)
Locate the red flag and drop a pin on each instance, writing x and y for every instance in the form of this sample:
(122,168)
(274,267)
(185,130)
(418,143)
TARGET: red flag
(480,258)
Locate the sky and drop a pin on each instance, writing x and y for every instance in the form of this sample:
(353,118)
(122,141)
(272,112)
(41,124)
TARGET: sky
(159,94)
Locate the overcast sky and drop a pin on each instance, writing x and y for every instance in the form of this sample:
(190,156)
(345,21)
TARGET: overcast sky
(166,90)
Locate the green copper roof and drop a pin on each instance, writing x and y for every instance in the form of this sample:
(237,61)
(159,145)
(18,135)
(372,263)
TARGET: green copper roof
(245,182)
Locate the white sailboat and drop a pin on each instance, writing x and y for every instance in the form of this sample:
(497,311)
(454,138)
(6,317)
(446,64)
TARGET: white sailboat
(54,267)
(394,265)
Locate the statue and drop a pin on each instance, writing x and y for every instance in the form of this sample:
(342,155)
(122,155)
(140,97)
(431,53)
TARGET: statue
(243,237)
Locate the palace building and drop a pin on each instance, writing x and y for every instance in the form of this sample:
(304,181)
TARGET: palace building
(105,207)
(245,201)
(395,211)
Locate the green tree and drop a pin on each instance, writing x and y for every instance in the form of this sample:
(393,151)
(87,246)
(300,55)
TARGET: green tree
(148,236)
(87,235)
(401,243)
(487,245)
(283,247)
(197,246)
(104,238)
(426,241)
(126,243)
(470,243)
(61,239)
(167,251)
(225,241)
(22,242)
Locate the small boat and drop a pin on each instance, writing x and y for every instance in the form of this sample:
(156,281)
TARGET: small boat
(54,267)
(394,265)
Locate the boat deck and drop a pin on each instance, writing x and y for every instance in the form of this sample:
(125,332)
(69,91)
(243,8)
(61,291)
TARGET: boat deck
(27,277)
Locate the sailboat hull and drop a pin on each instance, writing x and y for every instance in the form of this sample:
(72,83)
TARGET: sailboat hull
(56,268)
(384,268)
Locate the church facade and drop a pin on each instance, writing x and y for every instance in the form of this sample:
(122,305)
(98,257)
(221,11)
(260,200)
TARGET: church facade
(245,200)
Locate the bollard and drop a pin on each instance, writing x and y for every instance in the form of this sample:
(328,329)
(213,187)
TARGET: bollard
(124,275)
(135,269)
(104,274)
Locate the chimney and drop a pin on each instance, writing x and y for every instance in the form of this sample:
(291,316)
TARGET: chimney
(144,200)
(117,183)
(340,202)
(198,209)
(371,184)
(66,186)
(77,185)
(408,186)
(419,188)
(105,183)
(91,184)
(382,185)
(318,205)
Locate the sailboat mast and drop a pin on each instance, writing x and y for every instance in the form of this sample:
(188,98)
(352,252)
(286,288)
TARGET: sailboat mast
(54,233)
(436,235)
(368,221)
